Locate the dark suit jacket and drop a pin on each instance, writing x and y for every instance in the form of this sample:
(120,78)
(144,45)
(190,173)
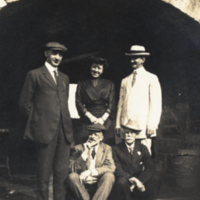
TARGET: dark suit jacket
(104,160)
(129,166)
(44,103)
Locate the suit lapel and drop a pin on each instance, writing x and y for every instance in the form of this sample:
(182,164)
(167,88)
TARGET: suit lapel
(100,154)
(124,149)
(129,82)
(61,80)
(135,155)
(48,76)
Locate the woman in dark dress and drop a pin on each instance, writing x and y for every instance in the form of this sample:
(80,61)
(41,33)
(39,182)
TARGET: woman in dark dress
(95,102)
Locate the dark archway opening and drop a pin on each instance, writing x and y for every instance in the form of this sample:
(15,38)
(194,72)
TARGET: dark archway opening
(108,26)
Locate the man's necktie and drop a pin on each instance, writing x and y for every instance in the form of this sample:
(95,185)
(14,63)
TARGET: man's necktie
(93,153)
(56,76)
(134,78)
(131,150)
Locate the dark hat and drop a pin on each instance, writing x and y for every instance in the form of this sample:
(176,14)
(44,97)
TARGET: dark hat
(137,50)
(96,128)
(56,46)
(132,125)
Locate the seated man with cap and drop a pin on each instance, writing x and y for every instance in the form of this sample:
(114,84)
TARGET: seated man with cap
(136,176)
(92,166)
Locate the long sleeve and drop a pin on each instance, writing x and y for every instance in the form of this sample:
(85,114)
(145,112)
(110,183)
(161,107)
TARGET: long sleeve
(111,100)
(77,163)
(120,104)
(79,104)
(27,94)
(155,103)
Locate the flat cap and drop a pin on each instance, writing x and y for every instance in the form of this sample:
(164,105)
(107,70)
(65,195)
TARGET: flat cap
(96,127)
(56,46)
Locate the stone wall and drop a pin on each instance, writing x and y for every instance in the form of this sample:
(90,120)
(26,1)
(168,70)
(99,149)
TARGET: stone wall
(190,7)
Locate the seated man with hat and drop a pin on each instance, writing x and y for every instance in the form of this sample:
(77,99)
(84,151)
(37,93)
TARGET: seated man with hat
(136,176)
(92,164)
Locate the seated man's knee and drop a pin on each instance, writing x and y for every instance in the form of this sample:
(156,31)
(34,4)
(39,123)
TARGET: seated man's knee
(109,177)
(73,177)
(121,182)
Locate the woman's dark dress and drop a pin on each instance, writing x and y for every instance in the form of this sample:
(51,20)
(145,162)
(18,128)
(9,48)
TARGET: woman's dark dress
(96,100)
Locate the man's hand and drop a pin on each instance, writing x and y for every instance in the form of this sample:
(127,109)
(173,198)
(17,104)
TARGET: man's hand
(138,183)
(132,187)
(150,131)
(89,144)
(118,131)
(90,180)
(84,175)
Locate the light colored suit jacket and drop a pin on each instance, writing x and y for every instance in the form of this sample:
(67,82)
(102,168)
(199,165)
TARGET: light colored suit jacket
(104,160)
(142,102)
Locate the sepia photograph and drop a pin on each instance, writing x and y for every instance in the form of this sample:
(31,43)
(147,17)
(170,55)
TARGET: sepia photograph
(100,100)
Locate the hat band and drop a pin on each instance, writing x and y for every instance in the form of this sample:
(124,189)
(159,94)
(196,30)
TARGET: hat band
(137,52)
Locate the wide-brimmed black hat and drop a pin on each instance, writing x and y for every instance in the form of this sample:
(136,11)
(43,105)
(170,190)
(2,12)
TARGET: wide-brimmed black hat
(56,46)
(137,50)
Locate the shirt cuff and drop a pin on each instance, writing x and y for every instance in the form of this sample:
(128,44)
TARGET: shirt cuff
(105,116)
(108,111)
(94,172)
(84,157)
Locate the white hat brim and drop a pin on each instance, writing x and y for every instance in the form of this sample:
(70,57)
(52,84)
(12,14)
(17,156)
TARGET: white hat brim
(131,128)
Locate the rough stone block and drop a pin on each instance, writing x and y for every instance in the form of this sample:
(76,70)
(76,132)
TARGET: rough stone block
(168,146)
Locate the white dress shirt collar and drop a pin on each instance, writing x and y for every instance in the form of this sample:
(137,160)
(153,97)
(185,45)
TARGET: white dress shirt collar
(50,67)
(130,146)
(139,70)
(51,70)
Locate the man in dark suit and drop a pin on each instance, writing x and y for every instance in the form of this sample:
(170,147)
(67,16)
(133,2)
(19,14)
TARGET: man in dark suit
(136,176)
(44,99)
(92,167)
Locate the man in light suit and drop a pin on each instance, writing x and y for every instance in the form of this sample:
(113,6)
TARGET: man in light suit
(140,98)
(92,167)
(44,99)
(136,176)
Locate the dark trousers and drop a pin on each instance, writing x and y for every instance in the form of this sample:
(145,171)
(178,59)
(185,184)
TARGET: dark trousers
(121,189)
(54,156)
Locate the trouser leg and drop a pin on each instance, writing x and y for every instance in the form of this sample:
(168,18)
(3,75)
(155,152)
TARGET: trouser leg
(151,189)
(105,184)
(147,142)
(45,158)
(77,188)
(121,189)
(60,165)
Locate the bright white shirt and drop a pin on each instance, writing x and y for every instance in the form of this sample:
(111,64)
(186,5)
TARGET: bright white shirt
(130,146)
(94,172)
(51,70)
